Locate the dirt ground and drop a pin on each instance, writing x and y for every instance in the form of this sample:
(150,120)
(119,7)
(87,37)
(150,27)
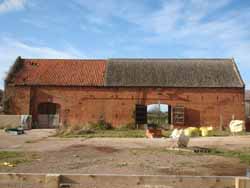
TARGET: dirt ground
(139,156)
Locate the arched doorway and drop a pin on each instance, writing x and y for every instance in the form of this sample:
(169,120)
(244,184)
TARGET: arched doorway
(159,114)
(48,115)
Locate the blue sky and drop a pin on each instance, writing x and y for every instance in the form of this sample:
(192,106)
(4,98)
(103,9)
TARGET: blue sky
(125,28)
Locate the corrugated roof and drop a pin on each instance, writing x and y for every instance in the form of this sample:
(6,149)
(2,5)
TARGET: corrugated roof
(61,72)
(173,73)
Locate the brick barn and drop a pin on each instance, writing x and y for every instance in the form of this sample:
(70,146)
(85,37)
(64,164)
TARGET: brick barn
(207,92)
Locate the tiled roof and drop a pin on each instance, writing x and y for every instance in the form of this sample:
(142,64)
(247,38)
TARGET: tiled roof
(61,72)
(173,73)
(127,73)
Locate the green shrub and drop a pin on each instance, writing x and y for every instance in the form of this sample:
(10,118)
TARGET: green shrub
(78,129)
(129,126)
(103,125)
(10,154)
(244,156)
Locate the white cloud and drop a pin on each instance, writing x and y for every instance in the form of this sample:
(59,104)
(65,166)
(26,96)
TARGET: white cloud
(203,29)
(198,27)
(165,19)
(179,18)
(10,49)
(15,47)
(92,28)
(9,5)
(195,10)
(101,12)
(36,23)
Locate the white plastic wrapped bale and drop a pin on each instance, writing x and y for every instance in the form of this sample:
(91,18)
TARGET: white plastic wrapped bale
(175,134)
(237,126)
(179,138)
(183,140)
(26,121)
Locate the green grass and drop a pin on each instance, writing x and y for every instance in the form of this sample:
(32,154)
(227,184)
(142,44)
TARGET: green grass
(161,120)
(109,133)
(114,133)
(15,158)
(10,154)
(127,133)
(227,133)
(29,142)
(244,156)
(92,130)
(19,161)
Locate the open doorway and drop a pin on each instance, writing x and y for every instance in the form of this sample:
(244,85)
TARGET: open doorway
(159,114)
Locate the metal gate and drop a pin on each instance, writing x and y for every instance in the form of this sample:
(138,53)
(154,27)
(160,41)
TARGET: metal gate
(48,120)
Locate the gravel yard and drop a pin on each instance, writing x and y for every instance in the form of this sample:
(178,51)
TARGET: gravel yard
(38,152)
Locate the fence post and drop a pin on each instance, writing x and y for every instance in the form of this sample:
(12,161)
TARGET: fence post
(242,182)
(52,181)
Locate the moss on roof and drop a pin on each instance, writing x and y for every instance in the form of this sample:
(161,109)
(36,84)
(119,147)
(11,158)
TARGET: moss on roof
(127,73)
(173,73)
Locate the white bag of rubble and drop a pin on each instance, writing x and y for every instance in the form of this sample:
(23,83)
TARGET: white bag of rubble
(236,126)
(180,139)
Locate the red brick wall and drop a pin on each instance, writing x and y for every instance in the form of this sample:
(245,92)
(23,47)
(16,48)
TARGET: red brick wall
(18,99)
(117,105)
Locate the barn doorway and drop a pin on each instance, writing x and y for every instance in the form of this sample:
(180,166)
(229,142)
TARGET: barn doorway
(159,114)
(48,115)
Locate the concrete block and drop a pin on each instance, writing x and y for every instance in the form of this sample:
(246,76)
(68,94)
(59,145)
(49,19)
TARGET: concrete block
(52,181)
(242,182)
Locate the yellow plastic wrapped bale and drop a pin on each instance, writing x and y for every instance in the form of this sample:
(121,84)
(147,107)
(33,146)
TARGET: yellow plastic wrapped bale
(206,131)
(187,132)
(192,132)
(210,128)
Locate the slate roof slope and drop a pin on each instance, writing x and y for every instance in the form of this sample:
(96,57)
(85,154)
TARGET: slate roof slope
(60,72)
(173,73)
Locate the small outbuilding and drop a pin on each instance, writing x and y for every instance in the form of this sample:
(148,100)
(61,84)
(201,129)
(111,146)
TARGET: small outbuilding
(198,92)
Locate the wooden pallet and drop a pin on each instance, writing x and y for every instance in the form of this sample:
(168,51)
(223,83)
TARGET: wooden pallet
(192,149)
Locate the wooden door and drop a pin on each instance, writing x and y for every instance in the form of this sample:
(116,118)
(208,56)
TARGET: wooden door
(140,114)
(179,115)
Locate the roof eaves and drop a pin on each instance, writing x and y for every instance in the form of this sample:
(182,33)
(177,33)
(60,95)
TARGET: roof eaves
(238,73)
(13,69)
